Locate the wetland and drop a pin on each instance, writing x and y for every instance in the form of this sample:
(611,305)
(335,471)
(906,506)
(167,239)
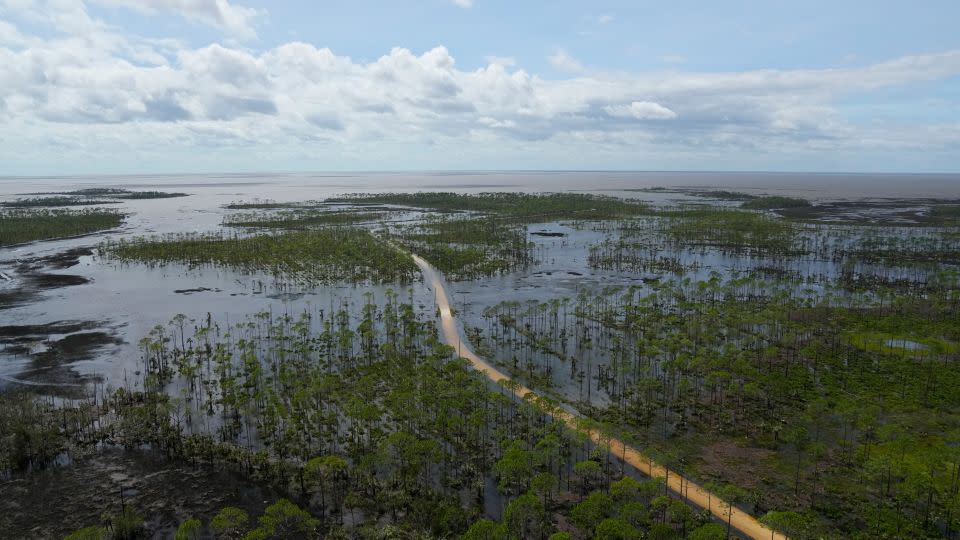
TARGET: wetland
(335,357)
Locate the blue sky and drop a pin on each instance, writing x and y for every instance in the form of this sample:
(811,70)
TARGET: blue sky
(127,86)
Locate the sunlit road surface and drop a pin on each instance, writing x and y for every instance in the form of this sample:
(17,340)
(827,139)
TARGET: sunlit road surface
(743,522)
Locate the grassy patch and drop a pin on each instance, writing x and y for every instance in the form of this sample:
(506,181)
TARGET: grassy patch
(525,207)
(140,195)
(946,210)
(268,205)
(775,201)
(88,197)
(730,229)
(46,202)
(901,344)
(19,226)
(316,256)
(725,195)
(300,219)
(119,193)
(721,194)
(945,214)
(469,248)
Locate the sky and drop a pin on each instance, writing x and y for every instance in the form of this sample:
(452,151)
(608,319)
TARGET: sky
(173,86)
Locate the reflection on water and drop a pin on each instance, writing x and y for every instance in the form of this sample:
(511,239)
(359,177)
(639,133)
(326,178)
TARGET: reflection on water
(312,185)
(906,344)
(128,300)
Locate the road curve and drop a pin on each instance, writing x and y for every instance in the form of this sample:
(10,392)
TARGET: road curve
(743,522)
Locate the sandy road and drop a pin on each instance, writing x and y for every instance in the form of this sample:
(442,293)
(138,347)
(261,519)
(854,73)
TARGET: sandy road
(743,522)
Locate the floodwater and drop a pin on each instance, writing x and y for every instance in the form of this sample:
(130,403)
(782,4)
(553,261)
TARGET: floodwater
(70,318)
(70,321)
(817,186)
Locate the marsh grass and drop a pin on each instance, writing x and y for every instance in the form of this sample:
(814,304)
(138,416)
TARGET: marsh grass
(523,207)
(945,214)
(119,193)
(771,202)
(19,226)
(300,219)
(469,248)
(734,230)
(270,205)
(87,197)
(141,195)
(48,202)
(315,256)
(903,345)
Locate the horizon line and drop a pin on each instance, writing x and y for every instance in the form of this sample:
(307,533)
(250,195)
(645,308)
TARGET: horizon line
(340,172)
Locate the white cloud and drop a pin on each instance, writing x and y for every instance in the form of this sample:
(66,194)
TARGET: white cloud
(494,123)
(605,19)
(9,35)
(237,20)
(463,3)
(90,92)
(564,62)
(506,61)
(641,110)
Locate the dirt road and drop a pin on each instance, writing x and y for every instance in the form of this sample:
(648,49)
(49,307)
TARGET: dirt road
(743,522)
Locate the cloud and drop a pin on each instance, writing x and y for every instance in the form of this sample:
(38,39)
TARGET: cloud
(463,3)
(88,91)
(9,35)
(564,62)
(641,110)
(325,121)
(237,20)
(506,61)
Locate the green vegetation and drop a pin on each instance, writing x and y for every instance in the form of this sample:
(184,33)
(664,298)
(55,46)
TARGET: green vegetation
(119,193)
(190,529)
(33,432)
(229,522)
(269,205)
(725,195)
(839,413)
(373,426)
(771,202)
(43,202)
(523,207)
(945,214)
(720,194)
(139,195)
(635,257)
(123,525)
(371,416)
(471,248)
(946,210)
(728,231)
(468,248)
(301,219)
(893,247)
(19,226)
(96,192)
(87,197)
(805,373)
(88,533)
(316,256)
